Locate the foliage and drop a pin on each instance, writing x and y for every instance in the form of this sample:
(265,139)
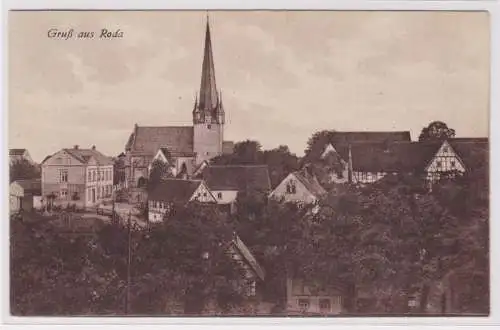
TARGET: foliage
(118,170)
(159,171)
(23,169)
(280,161)
(436,131)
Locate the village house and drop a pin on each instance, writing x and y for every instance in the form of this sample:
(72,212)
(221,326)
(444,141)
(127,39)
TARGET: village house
(184,148)
(307,297)
(83,177)
(170,192)
(25,195)
(16,155)
(299,187)
(369,163)
(226,182)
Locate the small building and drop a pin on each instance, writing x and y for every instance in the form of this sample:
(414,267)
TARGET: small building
(25,195)
(83,177)
(225,182)
(308,298)
(299,187)
(179,163)
(16,155)
(169,192)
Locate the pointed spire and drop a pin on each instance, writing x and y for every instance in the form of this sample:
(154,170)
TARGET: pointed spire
(208,89)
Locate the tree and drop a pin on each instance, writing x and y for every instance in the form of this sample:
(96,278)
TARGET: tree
(316,144)
(159,171)
(23,169)
(280,162)
(436,131)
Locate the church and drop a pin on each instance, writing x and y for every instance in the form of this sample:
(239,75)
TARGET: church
(183,148)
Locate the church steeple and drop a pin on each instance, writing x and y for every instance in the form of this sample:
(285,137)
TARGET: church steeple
(208,90)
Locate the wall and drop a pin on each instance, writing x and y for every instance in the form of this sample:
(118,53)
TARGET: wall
(296,290)
(367,177)
(301,193)
(225,197)
(99,181)
(207,141)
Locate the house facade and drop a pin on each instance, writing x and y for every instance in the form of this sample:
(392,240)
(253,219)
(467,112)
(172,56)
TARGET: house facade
(83,177)
(299,187)
(226,182)
(169,192)
(309,298)
(25,195)
(183,147)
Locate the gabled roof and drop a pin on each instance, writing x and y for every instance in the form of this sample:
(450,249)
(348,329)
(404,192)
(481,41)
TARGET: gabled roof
(474,152)
(394,157)
(243,178)
(369,136)
(16,152)
(174,154)
(149,139)
(84,155)
(310,182)
(33,186)
(248,257)
(174,190)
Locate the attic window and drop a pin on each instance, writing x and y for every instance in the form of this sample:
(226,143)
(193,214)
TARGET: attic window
(291,188)
(445,149)
(219,195)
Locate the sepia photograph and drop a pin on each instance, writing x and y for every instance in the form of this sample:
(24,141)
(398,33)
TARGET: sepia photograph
(248,163)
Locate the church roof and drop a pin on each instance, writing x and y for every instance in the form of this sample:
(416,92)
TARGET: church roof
(208,89)
(174,190)
(254,178)
(148,139)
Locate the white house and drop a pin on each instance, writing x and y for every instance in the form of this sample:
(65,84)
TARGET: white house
(312,298)
(300,186)
(168,192)
(25,195)
(227,181)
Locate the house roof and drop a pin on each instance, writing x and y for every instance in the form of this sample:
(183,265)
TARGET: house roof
(237,177)
(310,182)
(16,152)
(174,190)
(33,186)
(474,152)
(369,136)
(248,256)
(84,156)
(149,139)
(414,156)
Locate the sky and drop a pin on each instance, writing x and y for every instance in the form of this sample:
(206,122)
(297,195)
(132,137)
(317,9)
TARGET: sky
(283,75)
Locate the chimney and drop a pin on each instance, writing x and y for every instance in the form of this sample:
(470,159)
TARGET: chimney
(93,147)
(75,146)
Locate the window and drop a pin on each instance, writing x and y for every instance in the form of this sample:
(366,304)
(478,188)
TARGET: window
(63,175)
(438,164)
(64,194)
(209,126)
(93,175)
(89,176)
(291,188)
(445,149)
(324,304)
(205,194)
(453,164)
(219,195)
(304,304)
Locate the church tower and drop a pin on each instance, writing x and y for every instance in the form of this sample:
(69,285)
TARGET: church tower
(208,112)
